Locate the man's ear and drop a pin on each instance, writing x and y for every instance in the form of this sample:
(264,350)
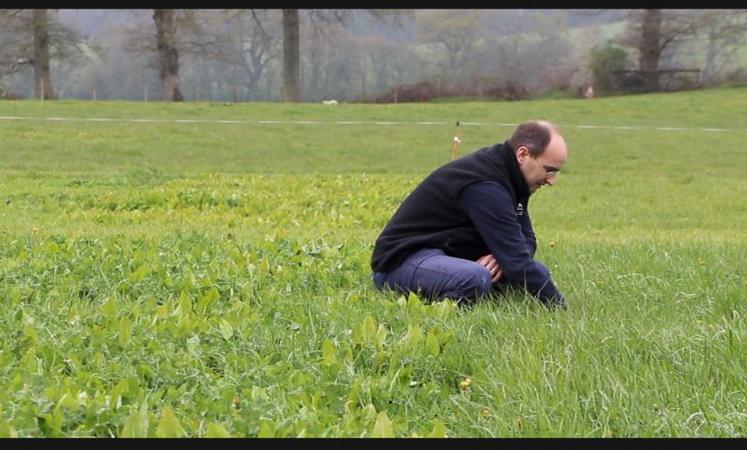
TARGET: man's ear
(522,153)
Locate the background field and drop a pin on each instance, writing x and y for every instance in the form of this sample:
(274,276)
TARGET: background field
(164,278)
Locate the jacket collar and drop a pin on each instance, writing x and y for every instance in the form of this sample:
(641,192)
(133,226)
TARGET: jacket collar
(507,154)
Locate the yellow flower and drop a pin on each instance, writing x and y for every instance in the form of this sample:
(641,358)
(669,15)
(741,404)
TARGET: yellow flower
(465,383)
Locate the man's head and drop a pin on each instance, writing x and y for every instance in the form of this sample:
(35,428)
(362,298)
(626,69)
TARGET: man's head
(540,151)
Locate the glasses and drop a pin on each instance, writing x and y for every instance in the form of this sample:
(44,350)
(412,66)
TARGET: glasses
(550,171)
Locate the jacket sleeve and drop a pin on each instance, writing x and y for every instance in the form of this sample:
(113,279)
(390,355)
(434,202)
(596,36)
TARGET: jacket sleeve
(528,230)
(491,209)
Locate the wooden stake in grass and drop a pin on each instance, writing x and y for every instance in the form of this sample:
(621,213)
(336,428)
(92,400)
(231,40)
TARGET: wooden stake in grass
(455,144)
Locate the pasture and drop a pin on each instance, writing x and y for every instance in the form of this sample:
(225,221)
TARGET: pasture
(202,269)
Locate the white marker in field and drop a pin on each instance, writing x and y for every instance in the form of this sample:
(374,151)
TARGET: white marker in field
(456,142)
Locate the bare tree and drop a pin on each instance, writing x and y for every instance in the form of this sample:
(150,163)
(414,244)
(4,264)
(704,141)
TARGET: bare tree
(506,54)
(655,32)
(33,38)
(331,62)
(650,46)
(380,51)
(291,41)
(14,37)
(726,32)
(456,31)
(259,45)
(179,35)
(243,42)
(42,82)
(319,58)
(168,54)
(552,52)
(291,56)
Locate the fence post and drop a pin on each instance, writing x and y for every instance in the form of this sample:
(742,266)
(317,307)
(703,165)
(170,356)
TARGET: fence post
(455,143)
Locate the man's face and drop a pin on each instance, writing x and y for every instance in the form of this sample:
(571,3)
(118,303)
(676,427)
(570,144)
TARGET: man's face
(545,168)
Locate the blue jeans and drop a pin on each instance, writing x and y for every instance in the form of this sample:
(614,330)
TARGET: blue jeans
(431,273)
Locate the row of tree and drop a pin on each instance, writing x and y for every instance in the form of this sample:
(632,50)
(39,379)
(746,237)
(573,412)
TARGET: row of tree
(258,54)
(209,35)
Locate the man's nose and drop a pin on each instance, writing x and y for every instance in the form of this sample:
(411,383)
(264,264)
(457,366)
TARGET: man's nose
(551,180)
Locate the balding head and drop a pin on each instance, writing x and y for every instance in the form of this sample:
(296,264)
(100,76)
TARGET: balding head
(541,152)
(534,135)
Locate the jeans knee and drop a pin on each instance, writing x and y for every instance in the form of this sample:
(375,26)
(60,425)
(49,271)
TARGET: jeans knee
(476,283)
(484,282)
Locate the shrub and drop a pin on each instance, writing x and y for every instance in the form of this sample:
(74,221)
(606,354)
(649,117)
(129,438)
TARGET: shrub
(5,94)
(604,61)
(477,89)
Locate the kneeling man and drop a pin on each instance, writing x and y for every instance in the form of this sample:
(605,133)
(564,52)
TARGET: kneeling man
(465,230)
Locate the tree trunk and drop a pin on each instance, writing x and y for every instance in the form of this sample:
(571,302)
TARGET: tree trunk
(253,72)
(269,88)
(650,51)
(363,79)
(42,82)
(291,57)
(709,72)
(315,81)
(168,56)
(315,65)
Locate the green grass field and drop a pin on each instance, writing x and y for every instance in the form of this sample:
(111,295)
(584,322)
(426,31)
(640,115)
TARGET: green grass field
(208,279)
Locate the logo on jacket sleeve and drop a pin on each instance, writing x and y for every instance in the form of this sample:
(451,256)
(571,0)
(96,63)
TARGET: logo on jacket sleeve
(519,209)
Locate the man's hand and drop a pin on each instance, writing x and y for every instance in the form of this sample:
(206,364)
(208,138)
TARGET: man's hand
(492,265)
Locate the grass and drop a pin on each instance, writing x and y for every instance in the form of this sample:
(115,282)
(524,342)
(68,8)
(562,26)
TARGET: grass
(203,279)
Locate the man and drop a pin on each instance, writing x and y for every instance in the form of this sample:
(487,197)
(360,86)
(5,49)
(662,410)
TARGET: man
(465,230)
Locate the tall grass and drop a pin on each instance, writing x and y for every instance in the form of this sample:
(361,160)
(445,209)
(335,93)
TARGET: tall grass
(167,279)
